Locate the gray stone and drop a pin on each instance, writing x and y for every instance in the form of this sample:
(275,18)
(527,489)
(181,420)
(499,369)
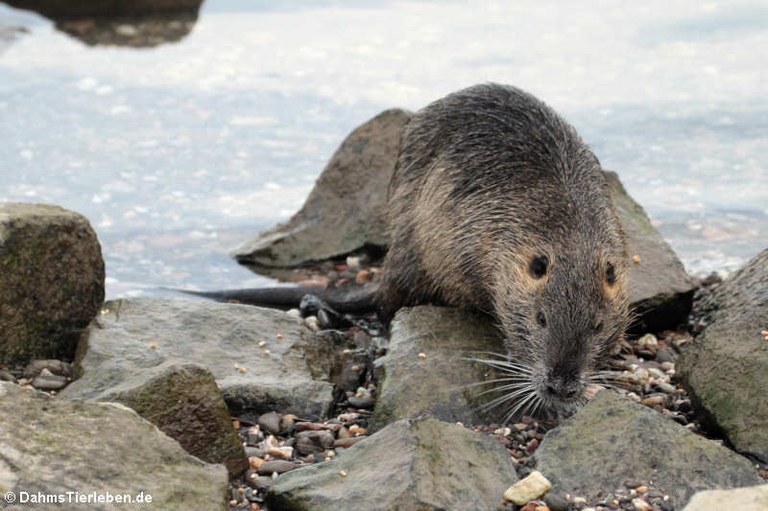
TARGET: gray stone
(51,281)
(440,382)
(422,465)
(184,401)
(54,446)
(270,422)
(660,290)
(344,211)
(726,367)
(238,344)
(754,498)
(49,381)
(58,367)
(313,442)
(612,440)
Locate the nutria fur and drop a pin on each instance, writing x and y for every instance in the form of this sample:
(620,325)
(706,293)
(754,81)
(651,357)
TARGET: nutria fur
(496,204)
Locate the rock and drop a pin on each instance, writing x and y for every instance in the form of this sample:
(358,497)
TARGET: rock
(49,381)
(422,464)
(54,446)
(59,10)
(726,367)
(754,498)
(254,369)
(612,440)
(660,290)
(314,442)
(58,367)
(534,486)
(440,382)
(184,401)
(51,281)
(344,211)
(270,422)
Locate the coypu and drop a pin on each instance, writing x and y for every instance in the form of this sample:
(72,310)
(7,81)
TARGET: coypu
(498,205)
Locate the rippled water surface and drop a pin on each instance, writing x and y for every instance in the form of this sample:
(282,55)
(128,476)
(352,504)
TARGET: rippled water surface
(180,152)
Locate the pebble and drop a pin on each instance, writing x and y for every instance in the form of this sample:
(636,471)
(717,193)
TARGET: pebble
(528,489)
(648,340)
(57,367)
(653,400)
(366,403)
(345,443)
(49,381)
(641,505)
(312,323)
(666,388)
(277,467)
(269,422)
(314,442)
(6,375)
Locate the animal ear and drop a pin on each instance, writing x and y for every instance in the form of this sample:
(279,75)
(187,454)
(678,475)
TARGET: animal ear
(538,266)
(610,273)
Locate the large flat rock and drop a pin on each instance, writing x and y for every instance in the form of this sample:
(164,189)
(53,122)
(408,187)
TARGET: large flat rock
(427,369)
(726,368)
(612,440)
(51,280)
(52,446)
(418,465)
(345,210)
(660,290)
(256,355)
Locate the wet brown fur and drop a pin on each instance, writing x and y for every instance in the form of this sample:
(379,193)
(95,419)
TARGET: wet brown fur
(490,178)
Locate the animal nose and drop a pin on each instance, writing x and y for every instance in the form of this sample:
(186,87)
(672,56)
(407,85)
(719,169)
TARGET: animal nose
(562,390)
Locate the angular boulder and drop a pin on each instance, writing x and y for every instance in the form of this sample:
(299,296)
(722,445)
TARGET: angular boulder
(256,355)
(427,369)
(51,447)
(612,440)
(184,401)
(51,281)
(726,368)
(345,210)
(421,464)
(660,290)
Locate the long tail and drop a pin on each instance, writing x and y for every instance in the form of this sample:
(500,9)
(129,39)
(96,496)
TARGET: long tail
(345,300)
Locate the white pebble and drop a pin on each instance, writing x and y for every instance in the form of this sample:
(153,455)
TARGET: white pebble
(528,489)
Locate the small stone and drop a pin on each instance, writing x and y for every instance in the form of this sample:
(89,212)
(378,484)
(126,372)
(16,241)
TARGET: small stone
(343,473)
(361,402)
(641,505)
(528,489)
(294,313)
(314,442)
(255,462)
(636,259)
(312,323)
(270,422)
(422,356)
(666,388)
(541,508)
(348,442)
(654,400)
(353,262)
(253,435)
(49,381)
(357,430)
(648,340)
(6,375)
(277,467)
(363,276)
(53,366)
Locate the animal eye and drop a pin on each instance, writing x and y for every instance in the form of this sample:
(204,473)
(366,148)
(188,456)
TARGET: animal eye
(610,273)
(541,319)
(598,327)
(539,266)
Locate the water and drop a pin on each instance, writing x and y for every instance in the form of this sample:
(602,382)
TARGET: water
(180,152)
